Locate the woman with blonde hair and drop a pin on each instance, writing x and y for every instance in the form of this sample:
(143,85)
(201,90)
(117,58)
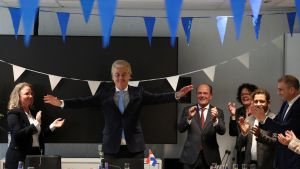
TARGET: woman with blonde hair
(24,125)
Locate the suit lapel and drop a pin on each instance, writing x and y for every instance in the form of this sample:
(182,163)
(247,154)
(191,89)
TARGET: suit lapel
(291,110)
(112,101)
(131,96)
(208,117)
(25,118)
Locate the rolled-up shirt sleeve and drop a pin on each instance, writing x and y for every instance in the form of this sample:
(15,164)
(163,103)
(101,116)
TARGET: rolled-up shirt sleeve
(295,145)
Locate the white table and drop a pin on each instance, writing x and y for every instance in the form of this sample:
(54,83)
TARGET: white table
(88,163)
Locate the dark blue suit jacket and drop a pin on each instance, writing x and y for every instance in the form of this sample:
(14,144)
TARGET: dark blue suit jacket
(115,121)
(21,137)
(285,158)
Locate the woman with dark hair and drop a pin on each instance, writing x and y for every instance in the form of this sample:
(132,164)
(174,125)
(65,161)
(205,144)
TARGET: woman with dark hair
(24,125)
(244,98)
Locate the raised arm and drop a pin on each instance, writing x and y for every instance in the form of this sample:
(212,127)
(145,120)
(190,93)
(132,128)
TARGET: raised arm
(183,91)
(50,99)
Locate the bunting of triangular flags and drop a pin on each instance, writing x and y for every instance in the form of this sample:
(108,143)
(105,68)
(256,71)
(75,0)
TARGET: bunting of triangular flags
(63,18)
(18,71)
(107,13)
(244,59)
(210,72)
(28,12)
(134,83)
(237,8)
(187,26)
(87,6)
(54,80)
(15,14)
(221,24)
(173,80)
(291,20)
(93,86)
(173,9)
(256,25)
(149,23)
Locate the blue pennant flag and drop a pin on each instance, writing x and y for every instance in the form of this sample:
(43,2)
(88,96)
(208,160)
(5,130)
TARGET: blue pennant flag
(173,9)
(256,25)
(63,18)
(291,20)
(87,6)
(255,6)
(149,23)
(28,12)
(187,26)
(297,3)
(237,8)
(15,14)
(107,13)
(221,24)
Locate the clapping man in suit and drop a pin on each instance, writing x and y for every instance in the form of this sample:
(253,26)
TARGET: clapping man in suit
(288,118)
(259,143)
(202,122)
(121,105)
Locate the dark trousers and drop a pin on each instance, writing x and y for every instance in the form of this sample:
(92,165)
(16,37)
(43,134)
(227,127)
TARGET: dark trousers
(240,158)
(199,164)
(124,153)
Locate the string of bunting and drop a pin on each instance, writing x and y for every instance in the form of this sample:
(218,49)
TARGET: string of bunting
(173,80)
(28,10)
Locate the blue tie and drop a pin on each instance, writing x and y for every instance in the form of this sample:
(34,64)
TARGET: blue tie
(284,111)
(121,101)
(121,106)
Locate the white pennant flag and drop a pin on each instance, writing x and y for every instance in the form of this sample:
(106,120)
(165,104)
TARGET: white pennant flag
(134,83)
(210,72)
(54,80)
(244,59)
(278,42)
(173,80)
(94,86)
(18,71)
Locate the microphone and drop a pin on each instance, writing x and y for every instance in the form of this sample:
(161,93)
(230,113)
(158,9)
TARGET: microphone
(105,165)
(228,152)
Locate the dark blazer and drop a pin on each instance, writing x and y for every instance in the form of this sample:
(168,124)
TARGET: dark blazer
(21,137)
(285,158)
(201,139)
(115,121)
(265,146)
(234,129)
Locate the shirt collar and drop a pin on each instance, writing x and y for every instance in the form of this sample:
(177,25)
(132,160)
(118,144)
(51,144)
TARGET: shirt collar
(293,100)
(125,90)
(206,107)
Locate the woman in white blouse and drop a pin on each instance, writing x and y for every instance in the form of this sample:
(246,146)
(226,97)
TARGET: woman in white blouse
(24,125)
